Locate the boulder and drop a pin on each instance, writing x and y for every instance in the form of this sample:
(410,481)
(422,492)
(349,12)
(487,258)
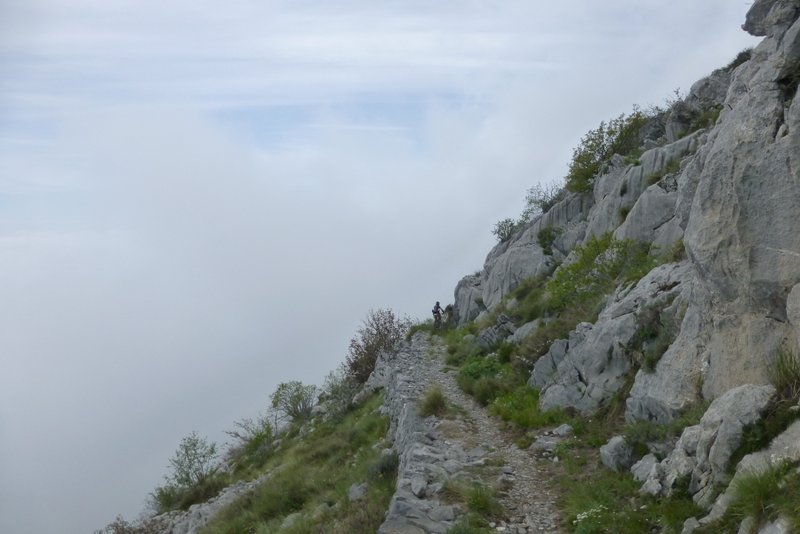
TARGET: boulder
(617,454)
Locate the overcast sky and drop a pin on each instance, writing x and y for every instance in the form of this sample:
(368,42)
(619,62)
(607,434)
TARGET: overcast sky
(199,200)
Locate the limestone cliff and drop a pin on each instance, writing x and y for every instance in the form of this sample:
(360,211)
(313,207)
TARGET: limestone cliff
(731,192)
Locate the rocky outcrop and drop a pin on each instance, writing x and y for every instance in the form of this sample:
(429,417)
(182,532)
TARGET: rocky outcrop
(742,233)
(703,451)
(521,257)
(198,515)
(593,365)
(785,448)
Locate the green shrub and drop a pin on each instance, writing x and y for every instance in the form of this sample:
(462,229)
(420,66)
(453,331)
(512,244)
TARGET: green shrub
(433,403)
(655,333)
(618,136)
(740,58)
(384,467)
(293,400)
(481,500)
(785,376)
(600,264)
(540,198)
(547,237)
(381,330)
(505,351)
(672,166)
(763,495)
(705,119)
(504,229)
(193,478)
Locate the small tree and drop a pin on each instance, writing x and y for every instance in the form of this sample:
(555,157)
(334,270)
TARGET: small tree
(338,391)
(503,230)
(193,461)
(381,330)
(540,198)
(293,400)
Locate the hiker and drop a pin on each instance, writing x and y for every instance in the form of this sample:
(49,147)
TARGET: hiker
(437,315)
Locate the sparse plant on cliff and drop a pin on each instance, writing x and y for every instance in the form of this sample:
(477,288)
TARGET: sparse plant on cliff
(433,403)
(547,237)
(617,136)
(540,198)
(294,400)
(740,58)
(504,229)
(194,475)
(382,329)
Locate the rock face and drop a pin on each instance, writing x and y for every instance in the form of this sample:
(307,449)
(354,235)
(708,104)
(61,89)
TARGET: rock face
(703,451)
(591,367)
(742,233)
(521,257)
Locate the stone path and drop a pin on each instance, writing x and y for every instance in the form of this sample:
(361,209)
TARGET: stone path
(529,501)
(467,446)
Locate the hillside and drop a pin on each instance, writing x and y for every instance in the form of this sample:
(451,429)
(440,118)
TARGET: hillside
(626,360)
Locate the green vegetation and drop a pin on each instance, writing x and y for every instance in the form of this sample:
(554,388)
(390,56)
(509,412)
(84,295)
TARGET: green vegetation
(381,330)
(312,476)
(639,433)
(606,501)
(785,376)
(740,58)
(521,407)
(763,495)
(654,335)
(293,401)
(538,199)
(504,229)
(672,166)
(193,478)
(705,119)
(433,403)
(547,237)
(617,136)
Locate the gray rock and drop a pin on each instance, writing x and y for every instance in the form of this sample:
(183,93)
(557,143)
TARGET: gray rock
(563,430)
(443,513)
(641,469)
(793,311)
(780,526)
(546,367)
(357,492)
(523,331)
(399,527)
(704,450)
(597,361)
(496,333)
(617,454)
(418,486)
(521,257)
(545,444)
(737,232)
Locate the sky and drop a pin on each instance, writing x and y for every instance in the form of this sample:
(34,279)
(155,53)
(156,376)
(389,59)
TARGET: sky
(200,200)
